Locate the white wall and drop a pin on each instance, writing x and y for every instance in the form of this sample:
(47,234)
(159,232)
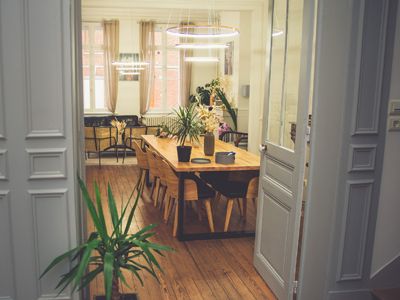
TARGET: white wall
(387,242)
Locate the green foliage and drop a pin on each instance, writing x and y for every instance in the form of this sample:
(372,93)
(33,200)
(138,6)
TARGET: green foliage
(186,125)
(203,96)
(109,252)
(221,95)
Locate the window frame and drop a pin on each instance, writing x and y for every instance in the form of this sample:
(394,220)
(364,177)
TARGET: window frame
(164,48)
(91,48)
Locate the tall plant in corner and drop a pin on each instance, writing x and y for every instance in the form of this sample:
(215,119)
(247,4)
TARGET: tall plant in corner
(110,252)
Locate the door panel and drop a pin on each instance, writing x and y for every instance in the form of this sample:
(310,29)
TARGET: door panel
(283,161)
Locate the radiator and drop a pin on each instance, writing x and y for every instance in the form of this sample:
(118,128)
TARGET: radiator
(158,120)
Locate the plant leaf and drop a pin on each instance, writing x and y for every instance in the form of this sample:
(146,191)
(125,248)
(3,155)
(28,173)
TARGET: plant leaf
(108,273)
(113,209)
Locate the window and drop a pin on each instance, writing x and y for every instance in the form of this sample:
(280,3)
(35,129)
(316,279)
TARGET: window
(166,75)
(93,67)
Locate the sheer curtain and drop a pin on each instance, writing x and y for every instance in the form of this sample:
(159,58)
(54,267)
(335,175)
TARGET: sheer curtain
(111,53)
(147,41)
(185,70)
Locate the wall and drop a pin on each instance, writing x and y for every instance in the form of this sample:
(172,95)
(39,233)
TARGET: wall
(387,243)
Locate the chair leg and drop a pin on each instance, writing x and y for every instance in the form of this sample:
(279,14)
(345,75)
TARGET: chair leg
(175,228)
(244,205)
(153,185)
(156,191)
(168,201)
(240,205)
(163,190)
(254,203)
(207,203)
(143,182)
(99,155)
(229,207)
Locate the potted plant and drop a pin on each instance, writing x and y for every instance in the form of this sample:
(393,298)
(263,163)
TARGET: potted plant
(187,126)
(109,252)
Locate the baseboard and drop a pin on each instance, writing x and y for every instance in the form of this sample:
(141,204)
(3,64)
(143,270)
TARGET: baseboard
(350,295)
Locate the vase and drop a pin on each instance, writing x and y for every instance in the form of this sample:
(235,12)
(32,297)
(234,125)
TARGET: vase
(209,144)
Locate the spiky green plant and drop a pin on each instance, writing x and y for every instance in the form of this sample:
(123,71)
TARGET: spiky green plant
(186,125)
(110,252)
(221,95)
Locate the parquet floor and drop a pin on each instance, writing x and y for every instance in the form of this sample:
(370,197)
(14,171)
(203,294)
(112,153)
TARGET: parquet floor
(215,269)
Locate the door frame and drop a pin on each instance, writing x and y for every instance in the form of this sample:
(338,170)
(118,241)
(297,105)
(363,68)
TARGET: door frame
(318,136)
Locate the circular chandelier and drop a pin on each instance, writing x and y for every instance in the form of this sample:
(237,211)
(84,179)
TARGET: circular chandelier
(202,31)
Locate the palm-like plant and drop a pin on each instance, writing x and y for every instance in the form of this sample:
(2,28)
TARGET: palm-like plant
(110,252)
(186,125)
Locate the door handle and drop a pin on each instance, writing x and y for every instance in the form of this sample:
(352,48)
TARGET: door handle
(262,148)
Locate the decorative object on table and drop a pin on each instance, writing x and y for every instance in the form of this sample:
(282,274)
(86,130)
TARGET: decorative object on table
(120,126)
(109,252)
(210,122)
(225,158)
(186,126)
(231,111)
(200,160)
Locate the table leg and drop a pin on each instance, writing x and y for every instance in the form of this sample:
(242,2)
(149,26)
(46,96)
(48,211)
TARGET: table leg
(181,203)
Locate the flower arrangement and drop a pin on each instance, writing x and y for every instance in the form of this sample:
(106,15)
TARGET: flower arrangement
(224,127)
(208,118)
(120,125)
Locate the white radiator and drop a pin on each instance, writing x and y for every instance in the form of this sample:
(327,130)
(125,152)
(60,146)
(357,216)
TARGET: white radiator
(158,120)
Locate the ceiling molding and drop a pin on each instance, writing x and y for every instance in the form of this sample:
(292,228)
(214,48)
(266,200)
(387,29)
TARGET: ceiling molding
(176,4)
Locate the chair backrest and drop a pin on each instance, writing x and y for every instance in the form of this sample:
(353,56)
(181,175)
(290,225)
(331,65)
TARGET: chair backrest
(141,156)
(152,130)
(153,166)
(252,188)
(134,133)
(90,141)
(173,184)
(239,139)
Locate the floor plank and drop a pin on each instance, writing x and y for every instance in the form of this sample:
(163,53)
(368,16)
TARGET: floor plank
(216,269)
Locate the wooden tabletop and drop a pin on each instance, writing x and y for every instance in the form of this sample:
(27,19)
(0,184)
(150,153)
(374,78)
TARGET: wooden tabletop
(166,147)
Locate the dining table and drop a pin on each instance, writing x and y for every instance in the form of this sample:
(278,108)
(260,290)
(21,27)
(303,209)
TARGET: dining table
(244,161)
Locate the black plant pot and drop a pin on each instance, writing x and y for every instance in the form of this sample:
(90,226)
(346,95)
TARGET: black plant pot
(184,153)
(123,297)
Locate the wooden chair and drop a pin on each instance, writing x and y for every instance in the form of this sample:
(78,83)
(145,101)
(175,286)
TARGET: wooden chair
(143,165)
(134,134)
(99,139)
(163,179)
(234,186)
(154,175)
(152,130)
(195,190)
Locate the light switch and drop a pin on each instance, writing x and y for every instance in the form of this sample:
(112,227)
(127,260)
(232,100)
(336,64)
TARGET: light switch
(394,107)
(394,124)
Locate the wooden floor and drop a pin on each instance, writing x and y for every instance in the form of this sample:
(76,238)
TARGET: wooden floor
(216,269)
